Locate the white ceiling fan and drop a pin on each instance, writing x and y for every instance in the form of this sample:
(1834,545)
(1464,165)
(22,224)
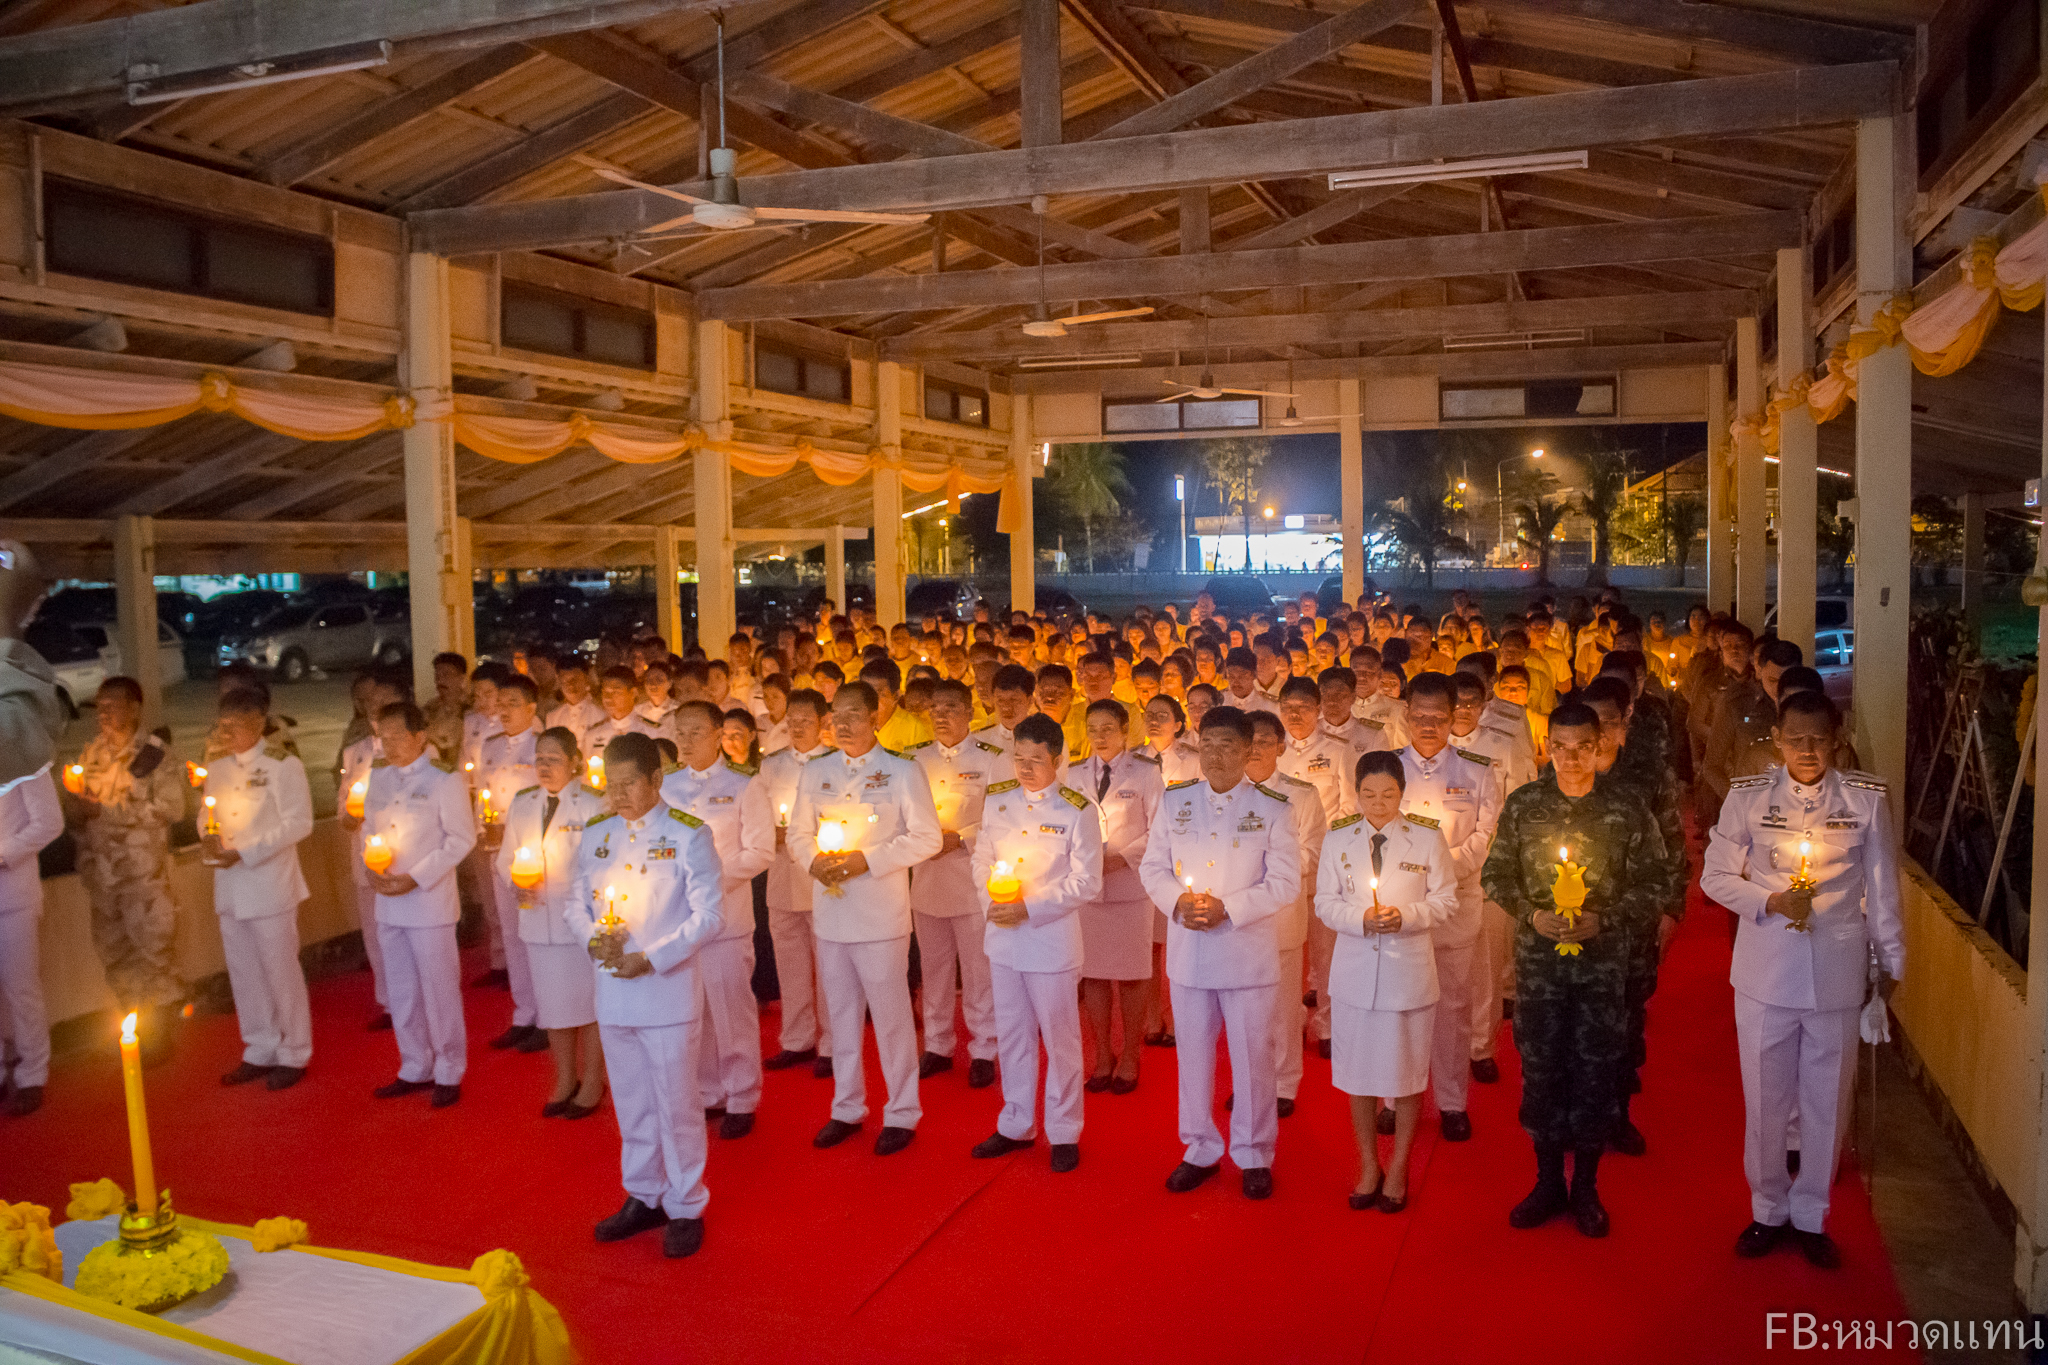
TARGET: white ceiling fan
(1209,388)
(723,210)
(1048,327)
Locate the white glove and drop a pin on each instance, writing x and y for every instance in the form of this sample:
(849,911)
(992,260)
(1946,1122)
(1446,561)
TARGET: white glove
(1875,1024)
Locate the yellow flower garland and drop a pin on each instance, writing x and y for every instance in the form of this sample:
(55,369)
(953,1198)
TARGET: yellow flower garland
(192,1264)
(27,1243)
(95,1200)
(275,1234)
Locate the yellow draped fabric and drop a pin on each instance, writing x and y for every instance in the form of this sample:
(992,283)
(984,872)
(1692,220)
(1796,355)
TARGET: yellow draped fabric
(96,400)
(515,1326)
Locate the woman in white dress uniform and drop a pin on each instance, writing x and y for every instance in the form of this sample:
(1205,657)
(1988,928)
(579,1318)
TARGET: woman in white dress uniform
(1116,927)
(1383,883)
(548,820)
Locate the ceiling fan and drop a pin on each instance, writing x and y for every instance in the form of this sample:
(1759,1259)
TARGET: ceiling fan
(1045,325)
(1208,387)
(723,210)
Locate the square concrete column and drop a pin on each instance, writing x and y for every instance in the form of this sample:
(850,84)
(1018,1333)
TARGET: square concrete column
(135,624)
(888,491)
(712,508)
(1884,455)
(668,596)
(835,565)
(443,607)
(1752,554)
(1351,483)
(1720,509)
(1024,537)
(2032,1234)
(1798,444)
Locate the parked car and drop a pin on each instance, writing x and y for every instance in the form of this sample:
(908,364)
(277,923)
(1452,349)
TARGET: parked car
(1828,613)
(170,648)
(296,639)
(75,661)
(1057,603)
(1834,657)
(232,613)
(949,599)
(1239,595)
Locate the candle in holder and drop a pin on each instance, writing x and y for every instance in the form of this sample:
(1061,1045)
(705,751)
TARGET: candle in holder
(195,774)
(138,1119)
(1004,885)
(358,792)
(594,772)
(831,836)
(211,827)
(782,815)
(377,855)
(526,868)
(610,920)
(1375,893)
(484,810)
(1803,882)
(74,779)
(1568,894)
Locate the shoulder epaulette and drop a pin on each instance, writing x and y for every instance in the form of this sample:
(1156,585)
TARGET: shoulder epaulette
(594,792)
(1010,784)
(446,765)
(1343,820)
(276,750)
(1866,781)
(913,747)
(773,752)
(1757,780)
(1270,792)
(743,769)
(893,753)
(1143,757)
(595,819)
(524,790)
(986,747)
(1176,786)
(380,763)
(1481,759)
(1290,777)
(987,724)
(1370,723)
(668,768)
(692,821)
(1422,820)
(1073,798)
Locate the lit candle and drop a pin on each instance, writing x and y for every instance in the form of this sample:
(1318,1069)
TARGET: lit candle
(358,791)
(138,1119)
(483,804)
(831,836)
(377,855)
(595,772)
(526,869)
(1004,885)
(211,829)
(1375,893)
(782,815)
(1805,853)
(195,774)
(74,779)
(610,919)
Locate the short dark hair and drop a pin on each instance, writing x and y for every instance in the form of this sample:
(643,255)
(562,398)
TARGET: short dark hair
(879,673)
(1042,730)
(1804,704)
(813,698)
(1228,718)
(1609,689)
(1240,658)
(1266,720)
(1800,679)
(1574,715)
(1782,653)
(1059,673)
(954,688)
(1210,688)
(126,686)
(709,710)
(637,749)
(1384,762)
(1180,715)
(407,714)
(1336,676)
(240,701)
(1109,706)
(618,673)
(523,685)
(1305,688)
(1464,683)
(450,659)
(1433,685)
(563,738)
(859,689)
(1013,678)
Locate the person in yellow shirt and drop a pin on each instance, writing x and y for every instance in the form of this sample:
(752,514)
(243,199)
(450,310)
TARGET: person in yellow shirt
(1055,698)
(1515,651)
(896,729)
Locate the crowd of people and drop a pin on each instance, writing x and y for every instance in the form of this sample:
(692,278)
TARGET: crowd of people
(1365,832)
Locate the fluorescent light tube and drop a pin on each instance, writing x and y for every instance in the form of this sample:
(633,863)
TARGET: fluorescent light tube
(1475,168)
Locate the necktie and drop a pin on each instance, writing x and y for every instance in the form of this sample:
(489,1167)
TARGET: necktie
(1378,840)
(547,815)
(1102,782)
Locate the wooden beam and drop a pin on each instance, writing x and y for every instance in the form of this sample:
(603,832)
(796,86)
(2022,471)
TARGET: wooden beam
(1321,329)
(238,457)
(1040,84)
(938,57)
(1338,208)
(1784,36)
(1550,363)
(869,125)
(1110,29)
(1407,258)
(1270,67)
(1805,98)
(335,141)
(543,149)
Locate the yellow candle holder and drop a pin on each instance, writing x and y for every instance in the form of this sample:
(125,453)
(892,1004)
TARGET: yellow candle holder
(1568,894)
(832,838)
(377,855)
(358,794)
(1803,880)
(74,779)
(593,773)
(1005,887)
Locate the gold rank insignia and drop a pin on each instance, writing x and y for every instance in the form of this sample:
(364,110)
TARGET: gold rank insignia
(1341,821)
(1422,820)
(1481,759)
(1011,785)
(743,769)
(1270,792)
(1073,798)
(596,818)
(1176,786)
(988,748)
(692,821)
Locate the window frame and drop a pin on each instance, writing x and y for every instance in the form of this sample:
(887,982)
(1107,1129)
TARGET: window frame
(1180,407)
(580,309)
(955,392)
(804,361)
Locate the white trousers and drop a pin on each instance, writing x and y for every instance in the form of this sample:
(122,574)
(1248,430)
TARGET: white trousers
(943,943)
(1245,1016)
(270,988)
(871,978)
(1322,942)
(803,988)
(425,985)
(1287,1024)
(1493,965)
(661,1128)
(1793,1062)
(729,1053)
(1031,1006)
(518,967)
(21,989)
(1450,1051)
(373,942)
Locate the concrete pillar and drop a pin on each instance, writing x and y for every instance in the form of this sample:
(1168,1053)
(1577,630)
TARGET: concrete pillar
(1752,558)
(889,573)
(1884,455)
(135,626)
(1024,464)
(1351,483)
(713,507)
(1720,512)
(668,593)
(1798,447)
(835,565)
(1973,567)
(443,611)
(2032,1261)
(462,586)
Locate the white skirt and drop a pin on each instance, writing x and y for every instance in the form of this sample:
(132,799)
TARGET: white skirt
(1116,940)
(1380,1052)
(564,985)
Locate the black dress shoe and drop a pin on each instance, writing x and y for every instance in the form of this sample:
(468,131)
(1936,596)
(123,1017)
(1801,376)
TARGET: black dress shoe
(283,1077)
(509,1038)
(1258,1183)
(1097,1084)
(554,1109)
(1627,1138)
(713,1111)
(1759,1239)
(1186,1177)
(1065,1157)
(1361,1202)
(1383,1121)
(445,1095)
(1323,1048)
(397,1089)
(632,1218)
(995,1145)
(1457,1125)
(1792,1162)
(890,1141)
(735,1125)
(931,1064)
(683,1237)
(1485,1070)
(1545,1202)
(245,1073)
(1589,1214)
(1159,1040)
(1284,1106)
(1119,1086)
(582,1111)
(1387,1204)
(981,1073)
(1820,1250)
(822,1068)
(1230,1103)
(833,1133)
(785,1059)
(379,1023)
(25,1100)
(536,1040)
(496,977)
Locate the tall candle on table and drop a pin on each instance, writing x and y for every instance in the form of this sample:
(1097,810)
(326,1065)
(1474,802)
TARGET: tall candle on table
(138,1118)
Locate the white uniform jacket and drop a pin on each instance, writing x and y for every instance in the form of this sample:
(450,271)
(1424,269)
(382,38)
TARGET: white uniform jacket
(576,717)
(959,778)
(1754,851)
(264,808)
(477,726)
(1380,712)
(1254,700)
(1290,927)
(29,818)
(1125,813)
(422,813)
(1053,840)
(356,761)
(1239,846)
(717,796)
(1459,795)
(1361,738)
(664,867)
(789,886)
(1397,971)
(504,767)
(1180,761)
(886,806)
(540,910)
(1324,761)
(606,729)
(1510,749)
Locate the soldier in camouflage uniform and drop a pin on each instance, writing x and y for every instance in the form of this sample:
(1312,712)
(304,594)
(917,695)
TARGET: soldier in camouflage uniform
(450,703)
(1741,744)
(1571,1011)
(133,790)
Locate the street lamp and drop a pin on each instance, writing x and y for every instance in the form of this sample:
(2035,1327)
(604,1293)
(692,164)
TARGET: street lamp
(1180,495)
(1266,545)
(1500,503)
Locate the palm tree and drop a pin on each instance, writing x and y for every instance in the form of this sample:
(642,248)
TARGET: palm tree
(1233,466)
(1536,520)
(1600,498)
(1422,522)
(1088,479)
(1680,526)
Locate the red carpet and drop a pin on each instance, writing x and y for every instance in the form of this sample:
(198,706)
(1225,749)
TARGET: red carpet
(930,1255)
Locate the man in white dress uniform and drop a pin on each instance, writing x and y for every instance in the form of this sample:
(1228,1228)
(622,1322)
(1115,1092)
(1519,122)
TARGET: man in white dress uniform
(356,761)
(504,768)
(1291,927)
(30,817)
(806,1039)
